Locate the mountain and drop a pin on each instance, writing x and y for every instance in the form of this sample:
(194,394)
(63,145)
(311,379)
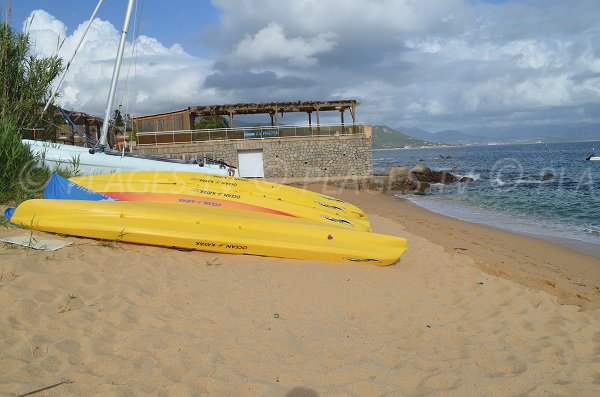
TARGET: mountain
(385,137)
(417,133)
(549,133)
(458,137)
(530,134)
(451,137)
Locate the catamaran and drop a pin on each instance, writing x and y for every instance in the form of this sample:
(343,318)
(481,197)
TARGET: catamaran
(101,159)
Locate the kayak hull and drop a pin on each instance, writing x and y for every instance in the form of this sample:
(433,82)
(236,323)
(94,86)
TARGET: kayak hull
(206,229)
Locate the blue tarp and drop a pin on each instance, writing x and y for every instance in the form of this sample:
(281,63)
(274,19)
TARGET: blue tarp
(8,213)
(63,189)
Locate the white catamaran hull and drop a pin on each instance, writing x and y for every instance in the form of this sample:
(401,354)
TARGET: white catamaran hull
(79,160)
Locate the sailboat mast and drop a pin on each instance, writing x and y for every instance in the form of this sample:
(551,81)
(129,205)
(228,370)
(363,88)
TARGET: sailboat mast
(113,84)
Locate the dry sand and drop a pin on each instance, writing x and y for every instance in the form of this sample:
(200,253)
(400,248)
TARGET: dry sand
(468,310)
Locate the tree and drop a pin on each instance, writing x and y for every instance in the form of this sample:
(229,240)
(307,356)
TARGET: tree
(212,122)
(117,119)
(24,79)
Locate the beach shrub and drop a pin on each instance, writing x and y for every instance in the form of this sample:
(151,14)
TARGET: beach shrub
(24,88)
(24,79)
(20,177)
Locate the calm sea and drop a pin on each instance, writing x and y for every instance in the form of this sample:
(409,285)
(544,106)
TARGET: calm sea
(508,191)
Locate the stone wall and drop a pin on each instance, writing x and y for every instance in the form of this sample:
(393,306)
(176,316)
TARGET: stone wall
(285,157)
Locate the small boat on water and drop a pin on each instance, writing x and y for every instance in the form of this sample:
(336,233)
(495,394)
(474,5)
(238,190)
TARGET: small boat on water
(593,157)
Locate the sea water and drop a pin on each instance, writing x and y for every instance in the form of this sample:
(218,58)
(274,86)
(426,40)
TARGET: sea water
(509,190)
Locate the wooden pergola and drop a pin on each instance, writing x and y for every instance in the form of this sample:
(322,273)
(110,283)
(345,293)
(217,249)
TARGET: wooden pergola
(274,109)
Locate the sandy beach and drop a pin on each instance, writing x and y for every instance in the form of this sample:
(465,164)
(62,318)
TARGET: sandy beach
(469,310)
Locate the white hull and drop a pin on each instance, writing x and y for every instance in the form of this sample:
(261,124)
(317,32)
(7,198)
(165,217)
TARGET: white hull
(594,158)
(80,161)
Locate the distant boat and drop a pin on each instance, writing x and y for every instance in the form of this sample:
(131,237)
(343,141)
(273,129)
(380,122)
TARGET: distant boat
(593,157)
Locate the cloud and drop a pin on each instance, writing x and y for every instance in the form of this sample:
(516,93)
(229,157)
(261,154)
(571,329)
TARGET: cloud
(440,64)
(156,79)
(270,45)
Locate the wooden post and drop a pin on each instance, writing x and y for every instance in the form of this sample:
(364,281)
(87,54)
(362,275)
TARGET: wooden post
(318,121)
(231,124)
(353,114)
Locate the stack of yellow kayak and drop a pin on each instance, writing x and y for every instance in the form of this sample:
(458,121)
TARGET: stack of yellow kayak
(246,217)
(217,183)
(226,192)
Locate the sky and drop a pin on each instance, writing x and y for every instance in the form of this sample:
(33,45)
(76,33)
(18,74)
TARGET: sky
(470,65)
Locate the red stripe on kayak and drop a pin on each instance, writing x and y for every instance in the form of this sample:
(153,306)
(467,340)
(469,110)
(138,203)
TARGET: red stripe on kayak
(194,200)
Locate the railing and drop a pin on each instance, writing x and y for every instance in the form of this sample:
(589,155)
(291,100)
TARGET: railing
(245,133)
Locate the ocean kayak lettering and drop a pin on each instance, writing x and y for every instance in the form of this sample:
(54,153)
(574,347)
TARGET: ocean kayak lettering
(334,199)
(228,246)
(333,207)
(363,260)
(207,192)
(203,180)
(342,221)
(205,244)
(236,247)
(191,201)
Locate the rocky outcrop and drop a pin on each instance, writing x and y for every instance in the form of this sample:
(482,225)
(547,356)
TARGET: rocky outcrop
(548,176)
(425,174)
(402,179)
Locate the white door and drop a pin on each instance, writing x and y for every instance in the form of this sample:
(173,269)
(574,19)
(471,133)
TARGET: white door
(251,163)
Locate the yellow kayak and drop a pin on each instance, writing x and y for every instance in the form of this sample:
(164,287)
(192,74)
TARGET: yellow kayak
(208,229)
(226,185)
(241,200)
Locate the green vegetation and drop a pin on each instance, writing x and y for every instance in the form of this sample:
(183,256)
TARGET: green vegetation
(20,179)
(24,79)
(212,122)
(387,138)
(24,87)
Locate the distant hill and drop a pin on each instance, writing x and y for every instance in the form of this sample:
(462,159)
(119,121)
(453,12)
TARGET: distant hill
(457,137)
(385,137)
(572,133)
(451,137)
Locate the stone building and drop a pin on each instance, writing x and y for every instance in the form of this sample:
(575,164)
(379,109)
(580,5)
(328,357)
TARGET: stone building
(273,151)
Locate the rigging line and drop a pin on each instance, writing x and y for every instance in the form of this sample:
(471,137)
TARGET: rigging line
(92,18)
(126,96)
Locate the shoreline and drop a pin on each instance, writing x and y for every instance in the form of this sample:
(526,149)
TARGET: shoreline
(570,275)
(581,246)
